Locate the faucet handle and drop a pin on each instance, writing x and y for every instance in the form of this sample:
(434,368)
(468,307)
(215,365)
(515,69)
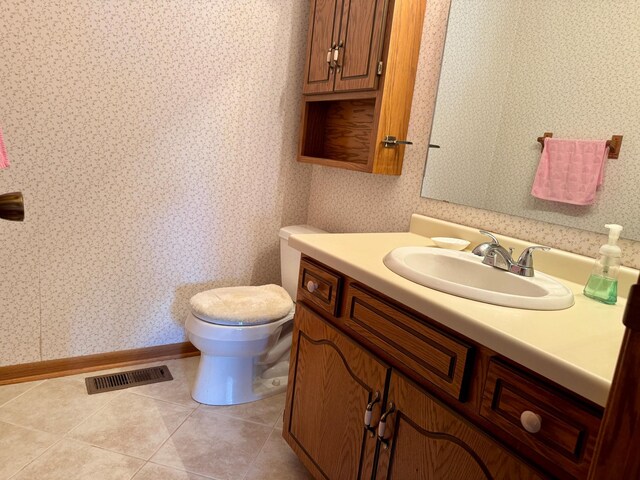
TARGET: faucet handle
(481,249)
(526,257)
(494,240)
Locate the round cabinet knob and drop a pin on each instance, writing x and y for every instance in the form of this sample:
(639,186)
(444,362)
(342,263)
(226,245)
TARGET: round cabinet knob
(312,286)
(531,422)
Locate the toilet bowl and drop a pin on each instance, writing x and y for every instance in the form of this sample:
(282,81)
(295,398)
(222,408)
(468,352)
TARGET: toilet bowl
(244,334)
(230,371)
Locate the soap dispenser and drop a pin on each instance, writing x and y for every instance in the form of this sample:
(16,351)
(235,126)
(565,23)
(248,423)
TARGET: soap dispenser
(603,282)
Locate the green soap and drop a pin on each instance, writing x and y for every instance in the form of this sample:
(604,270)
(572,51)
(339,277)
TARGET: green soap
(602,289)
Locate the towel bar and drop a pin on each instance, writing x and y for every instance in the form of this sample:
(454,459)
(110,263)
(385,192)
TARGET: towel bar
(614,144)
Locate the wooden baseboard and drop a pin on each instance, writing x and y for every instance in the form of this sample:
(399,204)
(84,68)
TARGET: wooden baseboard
(27,372)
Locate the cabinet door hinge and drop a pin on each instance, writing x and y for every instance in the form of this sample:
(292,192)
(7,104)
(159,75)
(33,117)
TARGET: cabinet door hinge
(379,68)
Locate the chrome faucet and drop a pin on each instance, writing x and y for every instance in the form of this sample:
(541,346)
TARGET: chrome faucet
(495,255)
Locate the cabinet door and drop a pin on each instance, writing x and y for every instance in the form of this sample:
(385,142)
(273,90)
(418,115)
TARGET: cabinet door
(425,440)
(331,381)
(324,24)
(360,44)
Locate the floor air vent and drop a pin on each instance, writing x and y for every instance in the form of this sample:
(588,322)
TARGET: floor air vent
(133,378)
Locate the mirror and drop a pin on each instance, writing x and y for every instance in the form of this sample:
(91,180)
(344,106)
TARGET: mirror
(514,69)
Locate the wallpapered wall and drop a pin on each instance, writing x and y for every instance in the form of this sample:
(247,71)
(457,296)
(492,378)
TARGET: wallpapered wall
(154,143)
(155,146)
(355,202)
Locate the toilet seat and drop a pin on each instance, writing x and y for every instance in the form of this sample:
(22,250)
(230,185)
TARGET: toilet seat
(242,306)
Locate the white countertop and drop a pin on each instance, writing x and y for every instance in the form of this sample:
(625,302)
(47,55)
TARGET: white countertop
(576,347)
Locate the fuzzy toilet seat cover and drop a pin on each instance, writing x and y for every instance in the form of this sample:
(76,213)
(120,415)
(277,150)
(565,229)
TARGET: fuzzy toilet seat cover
(242,305)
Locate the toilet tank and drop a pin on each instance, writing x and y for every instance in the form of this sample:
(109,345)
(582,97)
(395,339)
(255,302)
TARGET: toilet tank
(290,258)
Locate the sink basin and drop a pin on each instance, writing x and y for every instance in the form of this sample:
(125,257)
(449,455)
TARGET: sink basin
(463,274)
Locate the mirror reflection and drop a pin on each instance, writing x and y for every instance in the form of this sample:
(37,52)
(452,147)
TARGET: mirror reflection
(515,69)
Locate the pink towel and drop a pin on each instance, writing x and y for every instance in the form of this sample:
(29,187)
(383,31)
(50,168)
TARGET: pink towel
(4,160)
(570,171)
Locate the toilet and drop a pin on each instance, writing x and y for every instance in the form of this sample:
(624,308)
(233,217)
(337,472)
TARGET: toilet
(244,334)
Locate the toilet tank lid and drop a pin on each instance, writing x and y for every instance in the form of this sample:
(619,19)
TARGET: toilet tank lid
(286,232)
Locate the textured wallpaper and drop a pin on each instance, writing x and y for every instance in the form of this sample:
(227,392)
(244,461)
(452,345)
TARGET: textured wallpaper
(511,86)
(154,142)
(356,202)
(155,145)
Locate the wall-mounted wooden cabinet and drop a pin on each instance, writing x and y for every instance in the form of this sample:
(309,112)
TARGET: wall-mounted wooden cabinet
(361,64)
(344,45)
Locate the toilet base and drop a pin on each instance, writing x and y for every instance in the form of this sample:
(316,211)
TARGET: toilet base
(226,380)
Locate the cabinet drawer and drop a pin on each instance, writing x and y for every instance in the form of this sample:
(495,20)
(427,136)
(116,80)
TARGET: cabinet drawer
(433,355)
(568,430)
(319,286)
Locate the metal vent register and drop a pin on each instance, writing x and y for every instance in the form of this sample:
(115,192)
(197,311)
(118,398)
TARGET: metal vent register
(133,378)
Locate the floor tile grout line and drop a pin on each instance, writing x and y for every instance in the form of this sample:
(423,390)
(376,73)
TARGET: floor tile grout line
(138,470)
(31,428)
(258,455)
(105,449)
(162,399)
(106,404)
(37,457)
(66,435)
(125,391)
(273,431)
(208,477)
(169,438)
(40,382)
(52,433)
(243,419)
(172,433)
(144,462)
(122,392)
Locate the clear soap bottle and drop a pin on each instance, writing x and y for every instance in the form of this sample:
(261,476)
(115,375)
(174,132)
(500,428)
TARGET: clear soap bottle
(603,281)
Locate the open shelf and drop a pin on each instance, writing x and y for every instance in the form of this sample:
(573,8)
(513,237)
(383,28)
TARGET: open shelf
(339,131)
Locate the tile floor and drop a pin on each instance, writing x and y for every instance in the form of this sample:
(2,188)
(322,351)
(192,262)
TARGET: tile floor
(53,430)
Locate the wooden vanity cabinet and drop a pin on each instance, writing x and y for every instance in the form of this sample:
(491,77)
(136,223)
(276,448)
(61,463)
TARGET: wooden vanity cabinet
(426,440)
(567,434)
(332,380)
(432,355)
(450,407)
(359,77)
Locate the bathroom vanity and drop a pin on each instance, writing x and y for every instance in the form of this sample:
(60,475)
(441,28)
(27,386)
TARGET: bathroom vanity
(390,379)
